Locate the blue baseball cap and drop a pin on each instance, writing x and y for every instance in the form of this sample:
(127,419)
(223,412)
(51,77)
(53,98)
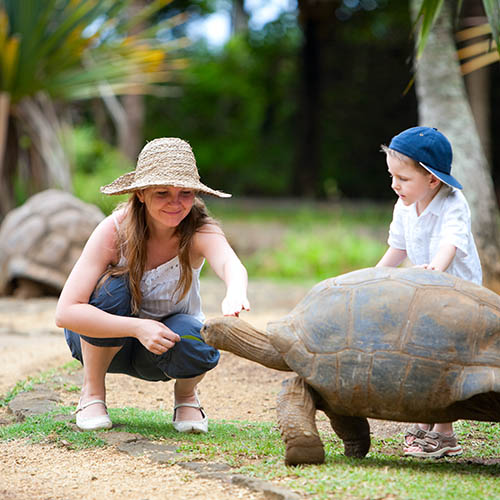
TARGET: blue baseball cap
(430,148)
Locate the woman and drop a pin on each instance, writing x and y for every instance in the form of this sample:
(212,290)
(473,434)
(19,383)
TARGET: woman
(132,301)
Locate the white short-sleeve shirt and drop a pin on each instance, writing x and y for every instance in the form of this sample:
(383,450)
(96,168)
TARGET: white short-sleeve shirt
(445,220)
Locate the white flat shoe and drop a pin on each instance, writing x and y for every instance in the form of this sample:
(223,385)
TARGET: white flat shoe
(92,423)
(191,426)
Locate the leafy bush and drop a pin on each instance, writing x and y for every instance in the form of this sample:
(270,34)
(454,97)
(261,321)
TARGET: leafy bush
(95,163)
(316,255)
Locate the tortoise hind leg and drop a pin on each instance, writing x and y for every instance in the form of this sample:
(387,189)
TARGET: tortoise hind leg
(296,420)
(354,431)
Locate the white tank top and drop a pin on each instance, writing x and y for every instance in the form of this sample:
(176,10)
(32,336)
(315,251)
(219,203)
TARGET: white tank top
(158,286)
(158,297)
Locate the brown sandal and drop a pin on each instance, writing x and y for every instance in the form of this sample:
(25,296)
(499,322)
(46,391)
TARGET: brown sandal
(414,432)
(435,445)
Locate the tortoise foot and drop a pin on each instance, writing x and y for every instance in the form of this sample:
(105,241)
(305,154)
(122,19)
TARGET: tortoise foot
(304,450)
(357,448)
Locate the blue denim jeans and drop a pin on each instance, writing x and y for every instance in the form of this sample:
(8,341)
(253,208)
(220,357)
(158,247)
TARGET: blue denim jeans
(188,358)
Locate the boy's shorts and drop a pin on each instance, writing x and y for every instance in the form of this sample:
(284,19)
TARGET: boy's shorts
(189,357)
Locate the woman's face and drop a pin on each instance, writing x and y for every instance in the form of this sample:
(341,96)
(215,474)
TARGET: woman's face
(167,205)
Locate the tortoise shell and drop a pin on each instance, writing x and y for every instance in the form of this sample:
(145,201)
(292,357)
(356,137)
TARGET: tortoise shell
(41,240)
(396,343)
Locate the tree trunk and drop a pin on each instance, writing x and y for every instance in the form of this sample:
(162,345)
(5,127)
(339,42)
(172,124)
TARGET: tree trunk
(48,164)
(239,17)
(478,89)
(5,193)
(317,22)
(130,130)
(477,83)
(130,138)
(442,103)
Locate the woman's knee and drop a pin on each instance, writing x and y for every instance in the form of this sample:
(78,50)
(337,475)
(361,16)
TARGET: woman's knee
(191,356)
(113,296)
(183,324)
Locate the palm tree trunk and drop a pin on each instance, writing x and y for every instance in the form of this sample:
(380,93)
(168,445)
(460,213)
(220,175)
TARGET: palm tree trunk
(442,103)
(4,125)
(49,164)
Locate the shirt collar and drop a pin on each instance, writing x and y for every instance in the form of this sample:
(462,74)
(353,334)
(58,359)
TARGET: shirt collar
(436,205)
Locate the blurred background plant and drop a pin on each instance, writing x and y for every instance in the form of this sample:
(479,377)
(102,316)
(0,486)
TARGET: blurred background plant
(57,53)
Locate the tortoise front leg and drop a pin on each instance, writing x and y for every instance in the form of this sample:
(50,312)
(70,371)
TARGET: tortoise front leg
(296,420)
(354,431)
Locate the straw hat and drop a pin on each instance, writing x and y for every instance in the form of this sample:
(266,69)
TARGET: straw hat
(167,161)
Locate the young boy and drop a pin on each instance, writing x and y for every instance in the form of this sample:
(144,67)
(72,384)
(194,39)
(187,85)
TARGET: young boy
(431,226)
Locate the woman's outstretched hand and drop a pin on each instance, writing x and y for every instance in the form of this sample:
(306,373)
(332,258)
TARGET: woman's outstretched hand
(155,336)
(232,305)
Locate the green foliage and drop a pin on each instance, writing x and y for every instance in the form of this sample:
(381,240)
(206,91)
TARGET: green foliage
(318,241)
(317,254)
(79,49)
(95,164)
(241,107)
(237,110)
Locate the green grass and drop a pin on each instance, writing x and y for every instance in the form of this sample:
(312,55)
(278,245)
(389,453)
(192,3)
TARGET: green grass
(47,429)
(256,449)
(29,383)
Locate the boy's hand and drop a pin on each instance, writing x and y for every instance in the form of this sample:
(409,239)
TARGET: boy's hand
(426,266)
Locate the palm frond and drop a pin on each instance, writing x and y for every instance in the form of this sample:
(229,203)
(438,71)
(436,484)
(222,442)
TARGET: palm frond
(492,9)
(68,48)
(426,17)
(429,12)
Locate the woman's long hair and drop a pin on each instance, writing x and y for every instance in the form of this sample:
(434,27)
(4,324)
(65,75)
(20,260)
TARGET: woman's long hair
(133,235)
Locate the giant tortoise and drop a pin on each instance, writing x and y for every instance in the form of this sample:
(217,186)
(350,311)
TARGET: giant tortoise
(401,344)
(41,240)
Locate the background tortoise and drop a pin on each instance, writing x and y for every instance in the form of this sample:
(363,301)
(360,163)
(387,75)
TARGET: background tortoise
(409,345)
(41,240)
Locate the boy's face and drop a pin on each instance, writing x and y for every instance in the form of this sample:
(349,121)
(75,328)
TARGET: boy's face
(411,184)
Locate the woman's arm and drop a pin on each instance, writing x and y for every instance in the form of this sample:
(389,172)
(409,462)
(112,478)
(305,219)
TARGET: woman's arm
(75,313)
(211,244)
(392,257)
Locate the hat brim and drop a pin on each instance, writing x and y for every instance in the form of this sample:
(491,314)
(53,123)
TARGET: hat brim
(126,184)
(446,178)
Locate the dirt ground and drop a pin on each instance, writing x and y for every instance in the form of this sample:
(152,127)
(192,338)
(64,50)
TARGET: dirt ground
(237,389)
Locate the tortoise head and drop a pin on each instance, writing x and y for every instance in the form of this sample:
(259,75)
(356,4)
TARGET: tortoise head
(232,334)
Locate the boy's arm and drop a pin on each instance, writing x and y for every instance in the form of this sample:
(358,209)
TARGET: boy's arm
(443,258)
(392,257)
